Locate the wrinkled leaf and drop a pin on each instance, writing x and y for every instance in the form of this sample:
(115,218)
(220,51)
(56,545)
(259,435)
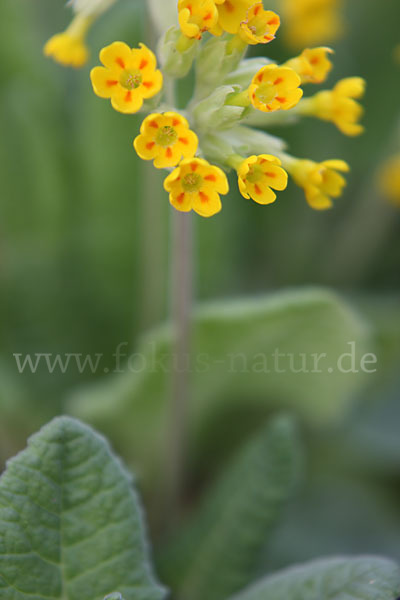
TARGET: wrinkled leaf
(223,541)
(70,524)
(343,578)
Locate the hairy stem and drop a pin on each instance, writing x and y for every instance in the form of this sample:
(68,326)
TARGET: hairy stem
(181,271)
(181,301)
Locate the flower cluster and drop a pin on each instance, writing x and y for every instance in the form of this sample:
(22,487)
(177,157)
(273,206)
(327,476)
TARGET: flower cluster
(389,179)
(235,99)
(312,21)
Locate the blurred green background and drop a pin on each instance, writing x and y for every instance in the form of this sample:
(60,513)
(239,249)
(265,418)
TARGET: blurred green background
(84,257)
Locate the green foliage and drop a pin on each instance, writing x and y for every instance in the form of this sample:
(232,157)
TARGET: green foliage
(231,342)
(223,541)
(344,578)
(71,526)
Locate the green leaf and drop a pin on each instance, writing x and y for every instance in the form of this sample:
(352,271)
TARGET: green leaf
(218,553)
(70,524)
(342,578)
(230,341)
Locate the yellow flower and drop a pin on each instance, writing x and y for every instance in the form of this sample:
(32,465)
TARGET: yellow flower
(231,13)
(389,179)
(69,48)
(195,184)
(196,17)
(320,181)
(258,174)
(128,77)
(310,22)
(274,88)
(313,64)
(260,25)
(165,138)
(339,105)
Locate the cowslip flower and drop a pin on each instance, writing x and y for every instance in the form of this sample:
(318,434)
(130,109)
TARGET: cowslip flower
(310,22)
(196,185)
(312,65)
(69,47)
(338,105)
(129,76)
(196,17)
(165,139)
(275,88)
(259,26)
(259,175)
(320,181)
(389,179)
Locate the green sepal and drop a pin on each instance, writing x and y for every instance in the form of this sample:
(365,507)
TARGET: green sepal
(242,141)
(212,113)
(217,58)
(175,59)
(245,71)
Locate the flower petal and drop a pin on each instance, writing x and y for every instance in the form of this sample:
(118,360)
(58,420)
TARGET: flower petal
(207,203)
(103,82)
(116,56)
(126,101)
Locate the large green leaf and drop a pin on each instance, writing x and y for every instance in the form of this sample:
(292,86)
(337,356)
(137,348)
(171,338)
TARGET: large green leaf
(343,578)
(70,525)
(218,552)
(233,348)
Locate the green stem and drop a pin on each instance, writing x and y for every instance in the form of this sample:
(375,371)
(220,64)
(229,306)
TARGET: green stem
(184,43)
(236,44)
(234,161)
(239,99)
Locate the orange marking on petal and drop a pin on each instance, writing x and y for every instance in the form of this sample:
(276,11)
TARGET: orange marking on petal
(210,178)
(229,6)
(175,122)
(257,9)
(314,60)
(203,197)
(153,124)
(269,174)
(258,189)
(110,83)
(253,95)
(120,62)
(143,64)
(194,166)
(168,152)
(128,96)
(268,37)
(260,76)
(184,140)
(190,9)
(207,17)
(273,21)
(180,198)
(280,100)
(150,145)
(278,81)
(148,84)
